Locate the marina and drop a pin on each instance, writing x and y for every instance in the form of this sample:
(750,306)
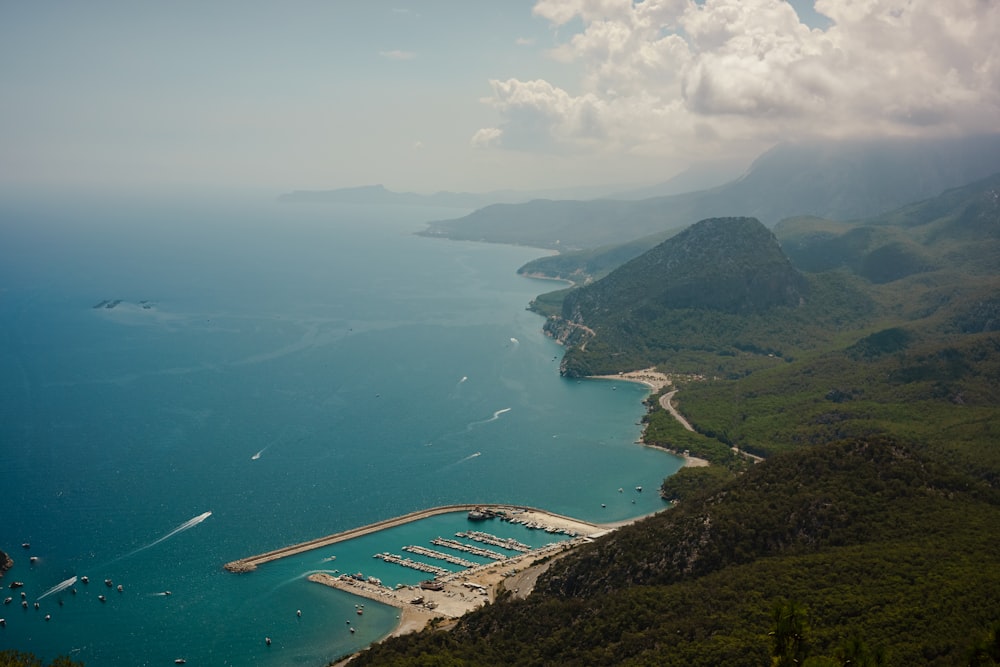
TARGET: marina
(527,516)
(446,593)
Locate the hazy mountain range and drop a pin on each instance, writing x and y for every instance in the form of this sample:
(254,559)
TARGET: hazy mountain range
(836,180)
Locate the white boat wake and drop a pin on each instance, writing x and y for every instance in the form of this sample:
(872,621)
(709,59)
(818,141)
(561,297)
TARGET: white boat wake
(257,455)
(187,525)
(458,463)
(496,416)
(58,587)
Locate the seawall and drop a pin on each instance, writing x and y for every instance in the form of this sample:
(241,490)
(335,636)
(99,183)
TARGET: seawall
(250,563)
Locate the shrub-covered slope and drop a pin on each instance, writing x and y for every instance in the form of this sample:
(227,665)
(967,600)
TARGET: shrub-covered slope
(869,538)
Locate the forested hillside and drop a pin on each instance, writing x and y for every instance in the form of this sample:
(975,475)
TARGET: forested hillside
(869,379)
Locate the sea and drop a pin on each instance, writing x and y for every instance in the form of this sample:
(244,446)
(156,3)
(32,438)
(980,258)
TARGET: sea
(185,381)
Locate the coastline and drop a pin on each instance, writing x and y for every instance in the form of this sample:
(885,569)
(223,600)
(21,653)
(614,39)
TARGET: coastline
(467,590)
(657,381)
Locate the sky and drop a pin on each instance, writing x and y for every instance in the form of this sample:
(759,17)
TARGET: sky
(469,95)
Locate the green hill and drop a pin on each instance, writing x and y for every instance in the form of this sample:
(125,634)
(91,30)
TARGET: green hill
(722,286)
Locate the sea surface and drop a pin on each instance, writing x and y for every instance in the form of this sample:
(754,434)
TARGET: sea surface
(269,373)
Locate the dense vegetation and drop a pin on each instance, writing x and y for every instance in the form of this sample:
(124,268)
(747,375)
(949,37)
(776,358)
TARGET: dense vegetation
(869,534)
(873,540)
(21,659)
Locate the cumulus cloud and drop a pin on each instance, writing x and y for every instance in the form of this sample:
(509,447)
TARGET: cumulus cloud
(664,76)
(486,137)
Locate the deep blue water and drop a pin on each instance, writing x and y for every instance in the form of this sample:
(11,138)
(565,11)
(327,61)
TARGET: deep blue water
(376,372)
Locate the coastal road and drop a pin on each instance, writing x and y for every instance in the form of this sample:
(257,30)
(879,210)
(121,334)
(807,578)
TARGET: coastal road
(669,407)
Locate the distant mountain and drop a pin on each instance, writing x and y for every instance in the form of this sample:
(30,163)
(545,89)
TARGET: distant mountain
(379,194)
(714,271)
(693,179)
(959,228)
(836,180)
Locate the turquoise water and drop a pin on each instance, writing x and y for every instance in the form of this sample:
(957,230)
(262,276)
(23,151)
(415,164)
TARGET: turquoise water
(374,372)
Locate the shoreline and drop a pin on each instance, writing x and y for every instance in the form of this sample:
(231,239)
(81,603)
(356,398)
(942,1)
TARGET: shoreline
(657,381)
(460,592)
(466,590)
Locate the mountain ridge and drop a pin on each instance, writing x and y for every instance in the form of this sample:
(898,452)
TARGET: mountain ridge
(837,180)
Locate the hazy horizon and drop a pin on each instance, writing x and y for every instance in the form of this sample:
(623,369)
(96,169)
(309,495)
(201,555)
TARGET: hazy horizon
(430,96)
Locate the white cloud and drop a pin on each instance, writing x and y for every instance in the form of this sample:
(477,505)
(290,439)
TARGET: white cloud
(398,55)
(486,137)
(665,76)
(524,41)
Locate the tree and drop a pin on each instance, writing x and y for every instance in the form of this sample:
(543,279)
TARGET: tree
(788,638)
(11,658)
(987,652)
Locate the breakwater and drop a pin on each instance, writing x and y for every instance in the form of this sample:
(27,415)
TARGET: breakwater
(543,519)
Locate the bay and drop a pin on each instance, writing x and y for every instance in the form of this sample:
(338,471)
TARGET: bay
(296,371)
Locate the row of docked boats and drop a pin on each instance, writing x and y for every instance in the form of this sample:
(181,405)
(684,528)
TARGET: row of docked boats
(486,538)
(412,564)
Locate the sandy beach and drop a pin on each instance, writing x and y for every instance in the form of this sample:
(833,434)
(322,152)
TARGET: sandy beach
(650,377)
